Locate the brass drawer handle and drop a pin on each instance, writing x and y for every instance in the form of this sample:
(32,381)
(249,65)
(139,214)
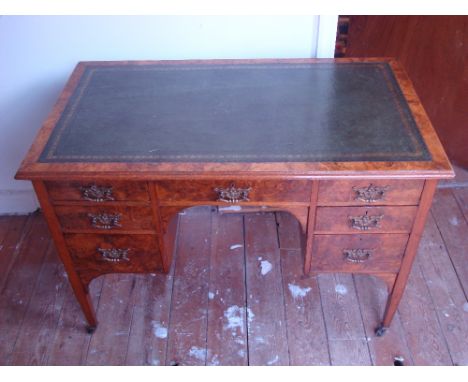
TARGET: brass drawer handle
(105,221)
(365,222)
(114,255)
(370,193)
(232,194)
(357,255)
(95,193)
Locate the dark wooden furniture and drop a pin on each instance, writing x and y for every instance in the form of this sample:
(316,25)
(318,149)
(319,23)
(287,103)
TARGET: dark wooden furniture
(343,145)
(433,50)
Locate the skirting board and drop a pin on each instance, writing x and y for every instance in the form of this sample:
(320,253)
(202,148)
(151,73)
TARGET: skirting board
(17,202)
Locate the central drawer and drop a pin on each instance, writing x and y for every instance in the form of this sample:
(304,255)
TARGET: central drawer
(114,253)
(235,191)
(365,219)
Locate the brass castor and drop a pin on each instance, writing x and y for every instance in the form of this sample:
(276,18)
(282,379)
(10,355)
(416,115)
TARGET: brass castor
(380,331)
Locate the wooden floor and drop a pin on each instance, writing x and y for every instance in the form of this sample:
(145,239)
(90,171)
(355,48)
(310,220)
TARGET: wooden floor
(236,296)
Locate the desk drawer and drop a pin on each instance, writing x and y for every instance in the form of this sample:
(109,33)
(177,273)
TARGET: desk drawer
(365,219)
(358,253)
(99,192)
(105,218)
(114,253)
(374,192)
(229,191)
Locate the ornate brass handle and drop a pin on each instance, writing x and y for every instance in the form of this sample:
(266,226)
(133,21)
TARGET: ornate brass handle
(95,193)
(370,193)
(232,194)
(357,255)
(114,255)
(365,222)
(105,221)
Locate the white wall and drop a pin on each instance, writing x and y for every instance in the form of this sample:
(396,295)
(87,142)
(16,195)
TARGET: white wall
(37,53)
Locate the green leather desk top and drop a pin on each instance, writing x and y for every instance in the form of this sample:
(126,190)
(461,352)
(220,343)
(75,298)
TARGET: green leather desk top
(266,112)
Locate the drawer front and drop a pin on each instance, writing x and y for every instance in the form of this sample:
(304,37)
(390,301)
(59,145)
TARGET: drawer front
(358,253)
(226,191)
(98,192)
(369,192)
(104,218)
(114,253)
(365,219)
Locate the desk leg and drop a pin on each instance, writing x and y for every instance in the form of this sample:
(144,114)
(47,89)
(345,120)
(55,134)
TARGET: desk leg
(408,258)
(310,227)
(79,287)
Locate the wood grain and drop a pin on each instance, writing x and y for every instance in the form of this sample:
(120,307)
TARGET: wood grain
(395,192)
(188,321)
(335,220)
(267,333)
(227,313)
(386,252)
(120,191)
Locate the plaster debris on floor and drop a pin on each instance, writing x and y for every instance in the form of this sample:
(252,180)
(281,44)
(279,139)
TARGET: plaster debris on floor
(341,289)
(159,331)
(297,291)
(265,267)
(198,353)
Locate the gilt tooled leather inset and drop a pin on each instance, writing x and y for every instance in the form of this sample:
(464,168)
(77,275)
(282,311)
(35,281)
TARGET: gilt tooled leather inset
(236,113)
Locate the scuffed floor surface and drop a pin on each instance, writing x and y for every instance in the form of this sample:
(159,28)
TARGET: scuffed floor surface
(236,295)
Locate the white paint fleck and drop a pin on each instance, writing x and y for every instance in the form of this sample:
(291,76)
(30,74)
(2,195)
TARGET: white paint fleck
(159,331)
(239,340)
(341,289)
(259,258)
(274,360)
(465,306)
(454,221)
(153,150)
(235,318)
(211,295)
(368,339)
(260,340)
(241,353)
(197,353)
(297,291)
(154,362)
(265,267)
(214,361)
(235,246)
(250,315)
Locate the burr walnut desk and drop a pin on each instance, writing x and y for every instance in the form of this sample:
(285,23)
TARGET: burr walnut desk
(343,145)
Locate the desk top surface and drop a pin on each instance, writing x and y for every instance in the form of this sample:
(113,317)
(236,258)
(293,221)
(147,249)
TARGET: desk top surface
(265,112)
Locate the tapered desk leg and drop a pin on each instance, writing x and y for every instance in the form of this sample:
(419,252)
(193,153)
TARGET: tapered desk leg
(79,287)
(408,258)
(310,227)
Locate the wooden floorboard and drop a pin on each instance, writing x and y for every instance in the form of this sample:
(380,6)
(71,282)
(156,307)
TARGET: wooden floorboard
(227,313)
(187,332)
(266,322)
(236,296)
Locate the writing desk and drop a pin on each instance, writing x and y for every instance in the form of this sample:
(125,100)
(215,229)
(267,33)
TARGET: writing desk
(344,145)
